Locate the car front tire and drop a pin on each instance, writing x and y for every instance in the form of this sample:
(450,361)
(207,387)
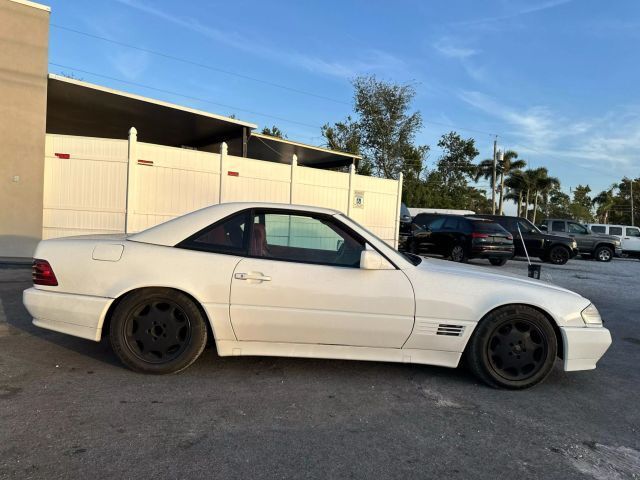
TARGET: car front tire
(513,347)
(603,254)
(157,331)
(559,255)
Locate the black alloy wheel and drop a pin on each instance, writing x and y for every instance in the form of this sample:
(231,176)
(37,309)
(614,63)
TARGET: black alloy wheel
(559,255)
(457,253)
(513,347)
(157,331)
(517,349)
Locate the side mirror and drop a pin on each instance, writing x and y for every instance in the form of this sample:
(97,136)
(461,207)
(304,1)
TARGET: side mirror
(372,260)
(543,227)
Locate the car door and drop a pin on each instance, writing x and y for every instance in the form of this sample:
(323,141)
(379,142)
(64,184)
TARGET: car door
(582,235)
(533,239)
(450,235)
(301,283)
(631,239)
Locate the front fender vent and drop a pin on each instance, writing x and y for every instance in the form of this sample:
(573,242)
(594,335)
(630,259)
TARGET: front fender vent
(450,330)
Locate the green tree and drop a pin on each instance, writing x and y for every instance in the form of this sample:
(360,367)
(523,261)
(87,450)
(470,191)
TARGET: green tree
(273,132)
(345,137)
(559,205)
(541,184)
(604,202)
(455,164)
(387,127)
(581,204)
(508,164)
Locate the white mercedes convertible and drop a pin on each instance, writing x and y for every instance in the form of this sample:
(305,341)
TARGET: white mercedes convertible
(299,281)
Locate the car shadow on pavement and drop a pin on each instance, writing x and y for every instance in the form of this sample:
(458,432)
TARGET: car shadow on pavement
(16,320)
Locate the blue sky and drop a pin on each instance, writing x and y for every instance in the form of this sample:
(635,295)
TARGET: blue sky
(557,80)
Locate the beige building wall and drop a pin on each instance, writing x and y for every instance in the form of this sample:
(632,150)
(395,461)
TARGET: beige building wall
(24,43)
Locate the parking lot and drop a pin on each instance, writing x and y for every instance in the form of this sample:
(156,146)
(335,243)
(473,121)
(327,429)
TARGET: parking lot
(68,409)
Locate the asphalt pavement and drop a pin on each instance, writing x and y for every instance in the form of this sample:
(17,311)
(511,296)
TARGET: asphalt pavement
(68,409)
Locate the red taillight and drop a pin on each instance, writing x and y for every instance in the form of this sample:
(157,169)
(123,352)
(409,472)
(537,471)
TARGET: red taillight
(43,273)
(479,235)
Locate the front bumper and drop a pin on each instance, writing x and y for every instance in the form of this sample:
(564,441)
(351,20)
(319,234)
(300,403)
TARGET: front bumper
(78,315)
(584,346)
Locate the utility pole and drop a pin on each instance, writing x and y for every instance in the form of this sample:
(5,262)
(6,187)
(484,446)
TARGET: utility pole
(632,224)
(493,177)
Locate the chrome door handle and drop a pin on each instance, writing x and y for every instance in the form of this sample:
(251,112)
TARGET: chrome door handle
(253,276)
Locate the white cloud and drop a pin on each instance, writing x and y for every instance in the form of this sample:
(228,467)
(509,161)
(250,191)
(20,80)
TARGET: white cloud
(131,64)
(525,10)
(368,61)
(446,47)
(608,142)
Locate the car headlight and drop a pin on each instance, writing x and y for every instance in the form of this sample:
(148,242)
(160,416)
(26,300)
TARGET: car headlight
(591,316)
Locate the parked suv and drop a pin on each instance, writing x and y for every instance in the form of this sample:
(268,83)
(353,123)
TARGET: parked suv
(600,246)
(549,248)
(461,238)
(628,235)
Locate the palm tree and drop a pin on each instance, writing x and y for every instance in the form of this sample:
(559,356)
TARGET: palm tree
(605,201)
(541,183)
(516,186)
(509,163)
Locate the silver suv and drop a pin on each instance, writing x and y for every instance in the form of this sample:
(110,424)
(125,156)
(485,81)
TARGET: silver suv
(597,245)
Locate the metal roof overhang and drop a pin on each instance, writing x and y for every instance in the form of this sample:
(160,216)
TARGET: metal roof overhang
(281,150)
(80,108)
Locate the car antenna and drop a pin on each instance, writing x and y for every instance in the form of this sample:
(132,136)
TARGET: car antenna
(533,270)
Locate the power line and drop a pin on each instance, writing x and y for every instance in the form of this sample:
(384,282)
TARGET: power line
(198,64)
(178,94)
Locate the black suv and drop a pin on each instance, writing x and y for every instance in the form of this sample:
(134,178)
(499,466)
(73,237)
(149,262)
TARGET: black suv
(460,238)
(405,227)
(549,248)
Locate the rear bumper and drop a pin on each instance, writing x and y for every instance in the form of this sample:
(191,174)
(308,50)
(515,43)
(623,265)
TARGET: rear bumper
(584,346)
(78,315)
(491,252)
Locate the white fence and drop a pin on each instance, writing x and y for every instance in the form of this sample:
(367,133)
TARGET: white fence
(96,185)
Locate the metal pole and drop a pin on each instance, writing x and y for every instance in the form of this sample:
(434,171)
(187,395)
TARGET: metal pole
(493,178)
(632,223)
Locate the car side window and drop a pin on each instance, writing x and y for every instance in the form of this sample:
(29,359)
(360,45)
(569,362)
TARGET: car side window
(436,224)
(633,232)
(224,236)
(557,226)
(599,229)
(615,231)
(526,227)
(577,228)
(303,238)
(451,223)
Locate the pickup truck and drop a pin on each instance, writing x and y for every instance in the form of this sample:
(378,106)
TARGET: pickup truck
(599,246)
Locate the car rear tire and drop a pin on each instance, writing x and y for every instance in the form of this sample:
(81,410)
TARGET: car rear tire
(157,331)
(498,262)
(458,254)
(559,255)
(513,347)
(603,254)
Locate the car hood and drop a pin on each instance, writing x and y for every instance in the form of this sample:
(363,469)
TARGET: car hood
(552,237)
(481,274)
(604,236)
